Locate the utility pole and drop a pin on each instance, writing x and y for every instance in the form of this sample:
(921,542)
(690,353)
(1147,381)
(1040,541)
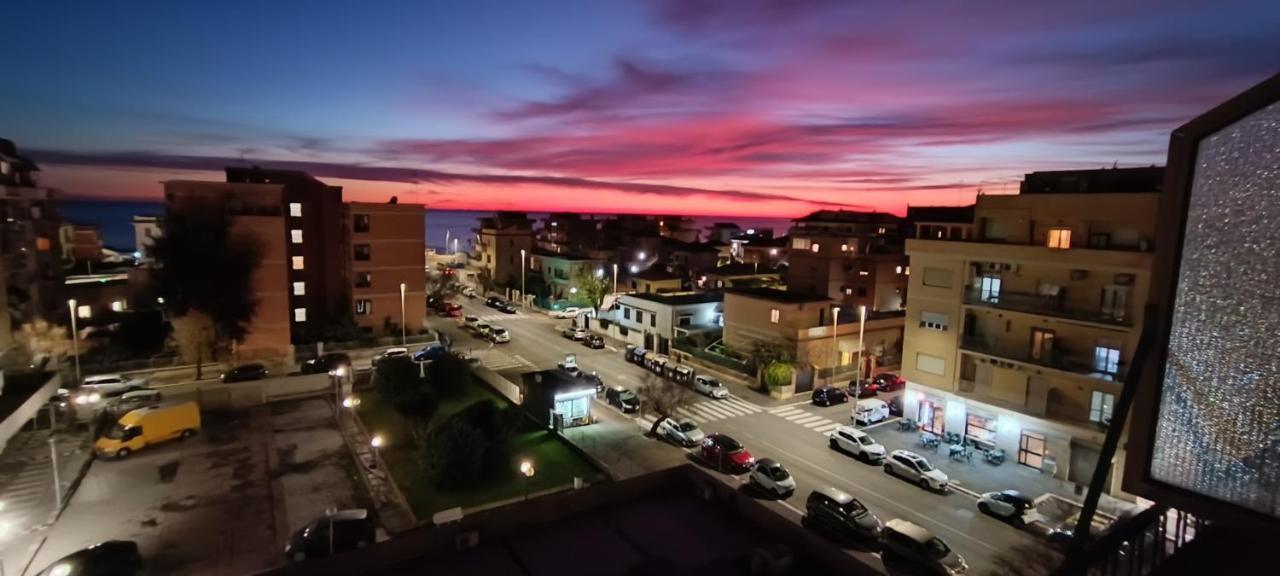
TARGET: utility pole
(402,318)
(57,484)
(835,358)
(862,324)
(75,337)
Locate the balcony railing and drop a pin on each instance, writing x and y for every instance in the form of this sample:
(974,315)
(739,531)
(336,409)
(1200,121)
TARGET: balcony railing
(1136,546)
(1057,358)
(1044,306)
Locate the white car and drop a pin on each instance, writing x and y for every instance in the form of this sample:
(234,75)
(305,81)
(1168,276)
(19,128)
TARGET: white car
(470,322)
(710,386)
(1009,505)
(95,388)
(389,353)
(769,475)
(570,312)
(469,292)
(914,468)
(857,443)
(499,335)
(575,334)
(683,432)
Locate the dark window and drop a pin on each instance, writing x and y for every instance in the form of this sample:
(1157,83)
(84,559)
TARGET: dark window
(361,223)
(862,291)
(653,320)
(364,279)
(639,317)
(626,313)
(362,251)
(686,320)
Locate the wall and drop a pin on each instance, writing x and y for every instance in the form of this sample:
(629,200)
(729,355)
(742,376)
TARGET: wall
(1026,218)
(269,332)
(500,253)
(396,255)
(25,412)
(920,342)
(245,394)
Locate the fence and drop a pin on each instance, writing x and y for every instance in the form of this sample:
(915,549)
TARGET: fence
(1136,546)
(688,346)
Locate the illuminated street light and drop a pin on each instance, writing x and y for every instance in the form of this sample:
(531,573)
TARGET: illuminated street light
(640,255)
(599,272)
(634,268)
(526,468)
(376,441)
(350,402)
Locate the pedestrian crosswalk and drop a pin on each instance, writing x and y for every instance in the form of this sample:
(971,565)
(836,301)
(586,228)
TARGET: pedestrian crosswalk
(806,419)
(708,411)
(495,360)
(493,318)
(29,495)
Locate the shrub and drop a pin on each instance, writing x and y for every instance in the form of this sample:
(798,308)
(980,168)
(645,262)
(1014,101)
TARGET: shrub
(449,375)
(777,375)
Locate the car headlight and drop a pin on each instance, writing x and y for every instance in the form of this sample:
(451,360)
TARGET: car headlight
(81,399)
(95,397)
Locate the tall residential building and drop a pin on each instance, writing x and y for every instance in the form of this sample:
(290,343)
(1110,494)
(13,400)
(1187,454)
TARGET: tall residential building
(145,231)
(854,258)
(1017,335)
(29,240)
(499,241)
(387,251)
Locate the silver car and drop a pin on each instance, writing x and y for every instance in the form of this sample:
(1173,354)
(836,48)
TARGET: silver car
(1010,505)
(914,468)
(683,431)
(710,386)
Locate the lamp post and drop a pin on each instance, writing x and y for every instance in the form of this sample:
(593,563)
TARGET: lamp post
(835,349)
(57,485)
(376,442)
(523,300)
(526,468)
(862,323)
(402,318)
(75,337)
(615,277)
(335,376)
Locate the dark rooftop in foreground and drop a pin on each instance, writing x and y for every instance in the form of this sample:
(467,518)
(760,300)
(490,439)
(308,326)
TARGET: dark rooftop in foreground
(675,521)
(775,295)
(746,269)
(848,216)
(1101,181)
(949,214)
(679,298)
(655,273)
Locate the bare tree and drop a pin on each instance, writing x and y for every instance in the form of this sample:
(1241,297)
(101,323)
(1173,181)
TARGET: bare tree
(42,339)
(662,397)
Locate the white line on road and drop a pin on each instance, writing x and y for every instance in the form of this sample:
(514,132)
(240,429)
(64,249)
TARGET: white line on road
(800,403)
(823,422)
(790,507)
(828,427)
(805,419)
(610,348)
(749,407)
(788,412)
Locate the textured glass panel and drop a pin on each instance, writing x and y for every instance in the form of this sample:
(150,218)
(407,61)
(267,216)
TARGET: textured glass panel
(1219,428)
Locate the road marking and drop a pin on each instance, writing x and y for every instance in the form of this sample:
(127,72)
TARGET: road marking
(610,348)
(790,507)
(723,412)
(687,414)
(807,419)
(749,407)
(800,403)
(822,422)
(705,415)
(787,412)
(827,428)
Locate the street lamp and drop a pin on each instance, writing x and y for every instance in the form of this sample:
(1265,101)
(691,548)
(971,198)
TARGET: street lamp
(526,468)
(376,442)
(615,277)
(335,376)
(640,255)
(75,337)
(402,319)
(862,323)
(523,300)
(835,349)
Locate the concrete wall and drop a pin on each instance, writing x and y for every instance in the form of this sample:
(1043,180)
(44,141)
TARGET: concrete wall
(28,409)
(245,394)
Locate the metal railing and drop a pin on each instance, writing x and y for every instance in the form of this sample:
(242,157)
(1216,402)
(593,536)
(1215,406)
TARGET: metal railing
(1056,358)
(1042,305)
(1136,546)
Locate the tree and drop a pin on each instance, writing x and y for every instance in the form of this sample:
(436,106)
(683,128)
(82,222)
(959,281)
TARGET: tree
(765,352)
(485,279)
(398,382)
(471,445)
(42,339)
(662,397)
(592,287)
(448,375)
(205,267)
(444,285)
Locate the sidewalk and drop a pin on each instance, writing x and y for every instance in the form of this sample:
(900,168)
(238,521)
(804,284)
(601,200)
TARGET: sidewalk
(306,457)
(393,510)
(27,493)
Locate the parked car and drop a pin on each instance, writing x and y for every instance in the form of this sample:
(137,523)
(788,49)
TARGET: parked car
(507,307)
(866,390)
(570,365)
(493,301)
(828,395)
(916,545)
(840,517)
(594,378)
(683,431)
(110,558)
(869,411)
(770,476)
(574,334)
(888,382)
(338,532)
(433,303)
(710,386)
(389,353)
(431,351)
(483,330)
(593,341)
(857,443)
(1008,504)
(499,335)
(469,322)
(468,291)
(913,467)
(451,309)
(895,406)
(245,373)
(624,399)
(726,454)
(133,400)
(147,426)
(570,312)
(326,363)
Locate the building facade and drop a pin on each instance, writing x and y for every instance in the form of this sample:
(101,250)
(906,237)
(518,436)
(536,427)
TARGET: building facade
(500,241)
(654,321)
(560,274)
(854,258)
(1019,336)
(387,251)
(145,231)
(29,240)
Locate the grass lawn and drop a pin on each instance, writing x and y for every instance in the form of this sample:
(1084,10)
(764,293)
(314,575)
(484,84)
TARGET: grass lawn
(555,463)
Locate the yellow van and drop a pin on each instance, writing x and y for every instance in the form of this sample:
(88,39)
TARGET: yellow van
(147,426)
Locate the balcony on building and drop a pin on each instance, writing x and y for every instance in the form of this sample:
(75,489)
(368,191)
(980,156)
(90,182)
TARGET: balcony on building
(1060,356)
(1045,305)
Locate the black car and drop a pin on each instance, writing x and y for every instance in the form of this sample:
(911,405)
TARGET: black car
(245,373)
(326,363)
(433,302)
(110,558)
(841,517)
(895,406)
(594,378)
(624,399)
(351,529)
(492,301)
(828,395)
(593,341)
(507,307)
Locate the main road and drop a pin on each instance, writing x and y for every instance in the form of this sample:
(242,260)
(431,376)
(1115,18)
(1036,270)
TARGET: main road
(794,434)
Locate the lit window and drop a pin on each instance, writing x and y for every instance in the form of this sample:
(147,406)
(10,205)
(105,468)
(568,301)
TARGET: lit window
(297,263)
(296,235)
(1060,238)
(364,279)
(1100,407)
(844,247)
(880,230)
(773,251)
(814,247)
(84,311)
(774,315)
(117,306)
(299,288)
(907,270)
(1106,359)
(43,244)
(364,307)
(863,273)
(848,291)
(897,270)
(299,314)
(295,209)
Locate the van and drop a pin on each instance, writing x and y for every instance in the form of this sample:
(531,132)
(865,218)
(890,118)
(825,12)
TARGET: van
(870,411)
(147,426)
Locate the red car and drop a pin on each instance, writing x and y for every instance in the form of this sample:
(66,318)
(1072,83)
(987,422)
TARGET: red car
(888,382)
(726,454)
(451,309)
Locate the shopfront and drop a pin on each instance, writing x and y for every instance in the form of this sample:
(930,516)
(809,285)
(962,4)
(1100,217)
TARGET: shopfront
(931,415)
(980,430)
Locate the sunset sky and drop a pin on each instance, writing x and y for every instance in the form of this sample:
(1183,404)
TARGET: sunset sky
(743,107)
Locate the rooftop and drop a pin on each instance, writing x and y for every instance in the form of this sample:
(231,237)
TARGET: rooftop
(759,241)
(678,298)
(1102,181)
(775,295)
(746,269)
(848,216)
(951,214)
(654,273)
(570,256)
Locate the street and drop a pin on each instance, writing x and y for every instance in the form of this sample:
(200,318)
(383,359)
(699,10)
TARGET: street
(795,433)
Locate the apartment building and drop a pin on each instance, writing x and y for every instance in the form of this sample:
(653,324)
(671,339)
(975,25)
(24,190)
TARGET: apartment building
(388,267)
(655,279)
(145,231)
(854,258)
(654,321)
(941,222)
(501,240)
(557,276)
(759,247)
(741,275)
(80,242)
(29,240)
(564,232)
(1018,334)
(803,324)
